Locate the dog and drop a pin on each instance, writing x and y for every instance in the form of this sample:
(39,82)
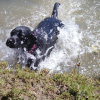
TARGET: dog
(38,42)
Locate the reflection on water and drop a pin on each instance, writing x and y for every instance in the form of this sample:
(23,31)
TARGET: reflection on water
(82,29)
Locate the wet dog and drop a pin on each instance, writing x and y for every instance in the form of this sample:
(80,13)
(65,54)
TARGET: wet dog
(38,42)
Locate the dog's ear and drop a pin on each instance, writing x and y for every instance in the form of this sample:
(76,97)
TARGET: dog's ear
(33,36)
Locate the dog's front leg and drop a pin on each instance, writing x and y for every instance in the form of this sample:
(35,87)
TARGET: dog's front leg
(31,63)
(31,59)
(23,59)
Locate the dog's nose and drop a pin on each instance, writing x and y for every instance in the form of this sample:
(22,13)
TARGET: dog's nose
(10,42)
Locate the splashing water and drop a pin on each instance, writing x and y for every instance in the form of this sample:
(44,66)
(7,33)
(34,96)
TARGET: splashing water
(66,48)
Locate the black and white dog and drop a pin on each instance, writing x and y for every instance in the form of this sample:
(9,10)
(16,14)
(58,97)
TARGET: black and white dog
(38,42)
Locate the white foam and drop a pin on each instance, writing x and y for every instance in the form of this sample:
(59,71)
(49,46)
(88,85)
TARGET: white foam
(67,47)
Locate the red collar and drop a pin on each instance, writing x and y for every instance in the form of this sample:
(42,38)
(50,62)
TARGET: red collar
(34,46)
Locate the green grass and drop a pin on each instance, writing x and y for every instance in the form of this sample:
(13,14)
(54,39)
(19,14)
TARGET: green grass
(25,84)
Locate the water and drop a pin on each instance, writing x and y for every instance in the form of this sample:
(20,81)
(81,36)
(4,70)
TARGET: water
(82,28)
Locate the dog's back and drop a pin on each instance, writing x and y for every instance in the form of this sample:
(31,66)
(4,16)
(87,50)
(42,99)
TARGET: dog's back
(46,31)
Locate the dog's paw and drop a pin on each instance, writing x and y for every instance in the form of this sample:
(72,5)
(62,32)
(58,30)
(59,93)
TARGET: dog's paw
(33,68)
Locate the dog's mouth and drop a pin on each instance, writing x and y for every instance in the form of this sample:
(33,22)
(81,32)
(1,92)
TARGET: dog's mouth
(13,43)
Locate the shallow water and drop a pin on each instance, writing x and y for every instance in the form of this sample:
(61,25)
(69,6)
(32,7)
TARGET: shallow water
(82,28)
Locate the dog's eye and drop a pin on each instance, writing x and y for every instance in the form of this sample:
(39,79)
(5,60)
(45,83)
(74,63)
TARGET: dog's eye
(21,35)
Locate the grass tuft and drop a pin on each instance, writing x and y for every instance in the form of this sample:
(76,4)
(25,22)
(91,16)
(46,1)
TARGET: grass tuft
(26,84)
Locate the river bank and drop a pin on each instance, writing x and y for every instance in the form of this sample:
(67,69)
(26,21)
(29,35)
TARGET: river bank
(25,84)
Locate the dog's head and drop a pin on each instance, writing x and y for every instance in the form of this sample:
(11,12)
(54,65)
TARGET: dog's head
(20,37)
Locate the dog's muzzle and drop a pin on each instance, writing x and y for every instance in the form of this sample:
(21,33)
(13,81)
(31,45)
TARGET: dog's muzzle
(13,42)
(10,42)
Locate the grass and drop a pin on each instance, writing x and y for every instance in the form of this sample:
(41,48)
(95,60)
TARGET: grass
(25,84)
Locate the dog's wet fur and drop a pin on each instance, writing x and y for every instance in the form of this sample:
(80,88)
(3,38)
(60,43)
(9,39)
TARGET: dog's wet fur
(38,42)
